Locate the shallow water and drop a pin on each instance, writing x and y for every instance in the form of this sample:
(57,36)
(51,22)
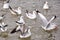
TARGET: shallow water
(37,32)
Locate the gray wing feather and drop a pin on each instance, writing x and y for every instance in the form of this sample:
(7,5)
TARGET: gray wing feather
(43,18)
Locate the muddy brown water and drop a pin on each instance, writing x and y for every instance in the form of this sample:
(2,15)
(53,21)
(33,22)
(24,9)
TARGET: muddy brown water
(37,32)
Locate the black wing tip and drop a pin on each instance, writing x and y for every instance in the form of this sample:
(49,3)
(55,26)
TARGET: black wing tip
(13,31)
(18,22)
(5,25)
(10,7)
(55,16)
(3,15)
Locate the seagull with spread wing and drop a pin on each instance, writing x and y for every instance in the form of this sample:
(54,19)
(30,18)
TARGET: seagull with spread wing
(25,31)
(48,25)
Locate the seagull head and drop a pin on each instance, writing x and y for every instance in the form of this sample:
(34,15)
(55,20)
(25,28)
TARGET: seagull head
(46,2)
(37,11)
(19,8)
(26,11)
(34,11)
(7,1)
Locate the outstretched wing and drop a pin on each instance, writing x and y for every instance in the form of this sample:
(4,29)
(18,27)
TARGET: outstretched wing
(43,18)
(15,30)
(48,24)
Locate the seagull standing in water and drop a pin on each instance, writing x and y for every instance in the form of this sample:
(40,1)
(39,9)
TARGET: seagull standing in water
(15,12)
(46,7)
(31,15)
(25,31)
(6,4)
(48,25)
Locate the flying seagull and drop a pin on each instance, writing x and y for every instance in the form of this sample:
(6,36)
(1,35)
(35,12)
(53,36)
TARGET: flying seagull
(48,25)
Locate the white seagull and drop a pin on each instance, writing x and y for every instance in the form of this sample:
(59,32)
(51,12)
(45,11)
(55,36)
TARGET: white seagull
(21,21)
(25,31)
(3,27)
(15,12)
(48,25)
(6,4)
(46,7)
(31,16)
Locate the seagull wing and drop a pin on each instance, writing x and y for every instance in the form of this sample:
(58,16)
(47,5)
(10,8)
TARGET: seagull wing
(12,10)
(43,18)
(16,29)
(13,31)
(48,24)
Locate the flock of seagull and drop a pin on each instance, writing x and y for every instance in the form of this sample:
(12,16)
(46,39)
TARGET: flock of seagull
(24,29)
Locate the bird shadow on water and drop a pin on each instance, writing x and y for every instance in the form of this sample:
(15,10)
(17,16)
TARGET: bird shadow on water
(29,38)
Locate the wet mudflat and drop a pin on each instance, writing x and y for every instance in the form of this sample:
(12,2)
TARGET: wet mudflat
(37,32)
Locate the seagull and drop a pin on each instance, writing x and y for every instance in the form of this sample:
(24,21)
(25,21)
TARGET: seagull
(3,27)
(32,15)
(2,17)
(46,7)
(15,12)
(6,4)
(48,25)
(25,31)
(21,21)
